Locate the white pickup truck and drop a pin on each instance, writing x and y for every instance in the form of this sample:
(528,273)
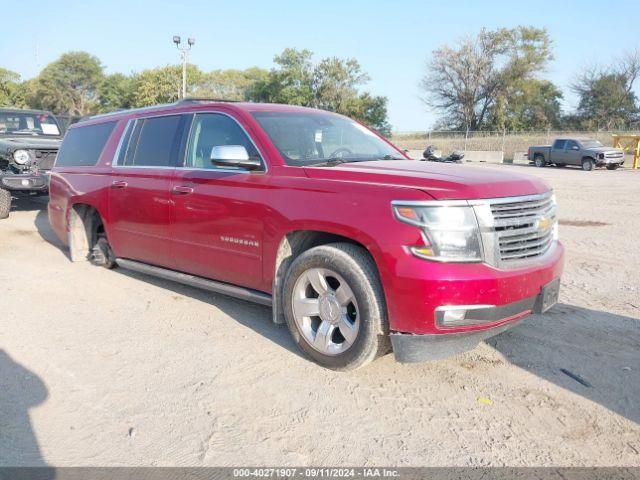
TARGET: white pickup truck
(584,152)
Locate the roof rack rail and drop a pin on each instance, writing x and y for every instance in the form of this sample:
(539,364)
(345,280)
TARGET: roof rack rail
(204,99)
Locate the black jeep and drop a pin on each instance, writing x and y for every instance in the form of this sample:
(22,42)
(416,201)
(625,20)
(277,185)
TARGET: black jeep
(29,142)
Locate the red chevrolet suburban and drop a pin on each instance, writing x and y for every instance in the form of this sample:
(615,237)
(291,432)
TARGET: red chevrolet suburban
(357,248)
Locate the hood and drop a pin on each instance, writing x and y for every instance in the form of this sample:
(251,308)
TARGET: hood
(443,181)
(603,149)
(30,142)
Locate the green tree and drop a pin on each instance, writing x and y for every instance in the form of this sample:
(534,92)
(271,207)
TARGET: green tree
(163,85)
(69,85)
(331,84)
(531,104)
(290,82)
(116,92)
(11,89)
(464,83)
(607,98)
(230,84)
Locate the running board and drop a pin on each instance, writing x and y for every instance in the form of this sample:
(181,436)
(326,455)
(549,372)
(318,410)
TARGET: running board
(198,282)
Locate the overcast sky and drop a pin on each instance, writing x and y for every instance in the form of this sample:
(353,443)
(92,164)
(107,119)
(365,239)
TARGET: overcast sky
(391,40)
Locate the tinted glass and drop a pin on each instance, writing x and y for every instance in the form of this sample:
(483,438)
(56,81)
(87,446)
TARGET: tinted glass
(82,146)
(571,145)
(213,130)
(157,142)
(315,137)
(558,144)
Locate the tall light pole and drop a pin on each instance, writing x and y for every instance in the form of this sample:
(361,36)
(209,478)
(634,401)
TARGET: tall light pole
(184,54)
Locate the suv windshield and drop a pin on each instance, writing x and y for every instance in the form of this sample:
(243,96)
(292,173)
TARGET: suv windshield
(28,123)
(316,138)
(590,143)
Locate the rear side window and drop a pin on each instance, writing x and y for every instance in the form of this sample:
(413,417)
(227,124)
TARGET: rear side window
(559,144)
(153,142)
(82,146)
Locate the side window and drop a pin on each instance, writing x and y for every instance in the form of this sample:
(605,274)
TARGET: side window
(571,145)
(559,144)
(153,142)
(211,130)
(82,146)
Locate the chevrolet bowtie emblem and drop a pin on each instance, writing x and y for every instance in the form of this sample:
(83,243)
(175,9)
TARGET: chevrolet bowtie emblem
(544,223)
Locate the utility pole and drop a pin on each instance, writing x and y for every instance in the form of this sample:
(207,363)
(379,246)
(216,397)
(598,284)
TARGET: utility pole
(184,55)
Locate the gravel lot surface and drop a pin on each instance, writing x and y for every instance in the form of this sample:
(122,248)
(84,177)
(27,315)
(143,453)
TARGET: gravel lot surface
(105,367)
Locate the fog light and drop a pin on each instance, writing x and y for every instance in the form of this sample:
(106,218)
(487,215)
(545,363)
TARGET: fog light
(452,317)
(463,315)
(25,182)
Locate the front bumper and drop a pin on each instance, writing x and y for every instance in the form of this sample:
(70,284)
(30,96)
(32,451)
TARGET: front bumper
(409,348)
(25,182)
(416,288)
(610,161)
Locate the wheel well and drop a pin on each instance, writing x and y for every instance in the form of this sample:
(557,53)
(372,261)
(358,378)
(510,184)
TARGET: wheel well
(292,245)
(85,226)
(588,158)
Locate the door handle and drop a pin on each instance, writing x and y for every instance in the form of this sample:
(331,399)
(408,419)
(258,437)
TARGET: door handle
(119,184)
(181,190)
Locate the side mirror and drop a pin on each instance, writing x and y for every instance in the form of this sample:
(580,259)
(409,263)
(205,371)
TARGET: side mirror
(234,156)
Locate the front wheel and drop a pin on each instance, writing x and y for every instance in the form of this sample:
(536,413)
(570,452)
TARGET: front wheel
(5,203)
(613,166)
(334,306)
(539,162)
(587,164)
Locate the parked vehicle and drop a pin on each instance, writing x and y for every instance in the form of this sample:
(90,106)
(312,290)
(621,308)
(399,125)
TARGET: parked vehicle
(355,246)
(585,152)
(29,142)
(429,155)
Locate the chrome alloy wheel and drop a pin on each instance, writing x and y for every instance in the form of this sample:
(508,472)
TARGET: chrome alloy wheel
(325,311)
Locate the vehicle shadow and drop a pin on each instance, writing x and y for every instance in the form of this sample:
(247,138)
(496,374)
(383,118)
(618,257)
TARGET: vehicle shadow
(45,231)
(591,353)
(251,315)
(29,203)
(20,390)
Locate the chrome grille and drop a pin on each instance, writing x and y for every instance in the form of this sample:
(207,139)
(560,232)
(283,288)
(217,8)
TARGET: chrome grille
(523,227)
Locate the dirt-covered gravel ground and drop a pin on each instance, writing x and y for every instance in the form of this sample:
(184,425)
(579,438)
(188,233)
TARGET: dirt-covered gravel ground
(105,367)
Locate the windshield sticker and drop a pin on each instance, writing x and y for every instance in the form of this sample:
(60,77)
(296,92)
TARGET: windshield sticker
(318,136)
(50,129)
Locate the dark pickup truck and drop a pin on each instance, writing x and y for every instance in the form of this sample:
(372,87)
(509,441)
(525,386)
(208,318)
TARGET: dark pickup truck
(29,143)
(583,152)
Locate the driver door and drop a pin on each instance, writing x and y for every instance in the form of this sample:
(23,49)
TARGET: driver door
(572,153)
(218,213)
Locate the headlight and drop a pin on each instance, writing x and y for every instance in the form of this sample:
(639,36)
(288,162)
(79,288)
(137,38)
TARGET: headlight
(450,233)
(21,156)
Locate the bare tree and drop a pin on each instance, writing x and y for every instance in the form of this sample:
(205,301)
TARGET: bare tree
(464,82)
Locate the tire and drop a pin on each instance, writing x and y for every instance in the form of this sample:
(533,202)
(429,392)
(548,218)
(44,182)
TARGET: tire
(539,161)
(5,203)
(613,166)
(561,165)
(101,254)
(587,164)
(312,293)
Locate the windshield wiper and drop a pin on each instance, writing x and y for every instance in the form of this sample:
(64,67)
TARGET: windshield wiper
(331,162)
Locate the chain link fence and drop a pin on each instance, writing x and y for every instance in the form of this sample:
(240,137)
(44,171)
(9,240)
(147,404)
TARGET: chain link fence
(506,142)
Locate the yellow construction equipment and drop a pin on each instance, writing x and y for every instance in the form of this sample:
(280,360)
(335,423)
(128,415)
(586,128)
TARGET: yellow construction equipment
(628,143)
